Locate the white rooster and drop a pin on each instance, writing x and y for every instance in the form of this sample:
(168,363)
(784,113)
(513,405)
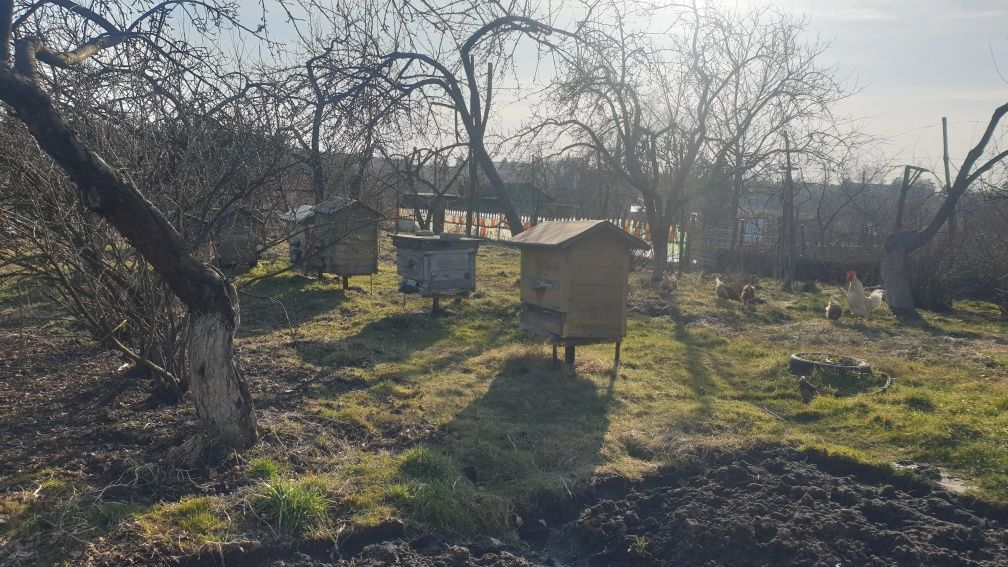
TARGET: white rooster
(860,303)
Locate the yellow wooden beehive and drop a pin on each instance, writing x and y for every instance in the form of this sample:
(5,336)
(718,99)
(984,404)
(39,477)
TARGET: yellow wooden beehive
(574,280)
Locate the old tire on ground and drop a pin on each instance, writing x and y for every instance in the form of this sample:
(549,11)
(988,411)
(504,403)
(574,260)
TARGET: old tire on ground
(804,363)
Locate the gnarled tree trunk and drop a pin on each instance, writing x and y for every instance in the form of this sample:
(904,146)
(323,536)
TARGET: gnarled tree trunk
(219,390)
(218,386)
(895,271)
(899,245)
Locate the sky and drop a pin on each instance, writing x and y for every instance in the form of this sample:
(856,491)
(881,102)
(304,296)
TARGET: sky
(913,60)
(917,60)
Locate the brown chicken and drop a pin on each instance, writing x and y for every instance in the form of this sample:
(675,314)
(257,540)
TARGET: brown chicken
(669,283)
(748,294)
(725,291)
(833,310)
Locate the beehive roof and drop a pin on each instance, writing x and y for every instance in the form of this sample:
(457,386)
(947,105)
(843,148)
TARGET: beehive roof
(337,204)
(565,233)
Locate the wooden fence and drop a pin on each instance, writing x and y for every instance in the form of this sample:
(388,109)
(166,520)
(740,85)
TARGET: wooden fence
(493,226)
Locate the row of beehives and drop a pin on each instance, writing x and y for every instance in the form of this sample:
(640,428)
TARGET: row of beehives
(573,274)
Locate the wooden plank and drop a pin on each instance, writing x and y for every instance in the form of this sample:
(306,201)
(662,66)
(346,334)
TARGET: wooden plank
(597,293)
(542,321)
(596,276)
(611,311)
(594,329)
(542,292)
(585,257)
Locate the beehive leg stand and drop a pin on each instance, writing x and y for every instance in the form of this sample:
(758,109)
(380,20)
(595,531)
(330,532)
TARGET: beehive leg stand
(346,283)
(436,305)
(616,362)
(569,355)
(555,359)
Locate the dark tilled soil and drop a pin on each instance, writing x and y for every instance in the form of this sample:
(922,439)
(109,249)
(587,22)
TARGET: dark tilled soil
(765,506)
(776,506)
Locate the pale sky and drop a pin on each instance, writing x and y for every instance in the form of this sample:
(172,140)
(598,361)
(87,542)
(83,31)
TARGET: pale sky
(918,60)
(915,60)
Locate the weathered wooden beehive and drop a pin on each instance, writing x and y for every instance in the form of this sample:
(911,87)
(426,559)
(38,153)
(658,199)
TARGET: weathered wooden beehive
(436,265)
(346,238)
(299,233)
(238,239)
(574,281)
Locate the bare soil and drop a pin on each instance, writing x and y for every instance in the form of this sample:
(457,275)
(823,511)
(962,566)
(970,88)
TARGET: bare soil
(777,505)
(765,506)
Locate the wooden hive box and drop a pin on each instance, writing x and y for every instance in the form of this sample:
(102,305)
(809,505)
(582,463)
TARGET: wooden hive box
(574,280)
(436,265)
(238,240)
(346,237)
(299,232)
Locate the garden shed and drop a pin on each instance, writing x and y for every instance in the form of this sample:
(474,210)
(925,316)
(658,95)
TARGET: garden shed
(574,281)
(436,265)
(346,238)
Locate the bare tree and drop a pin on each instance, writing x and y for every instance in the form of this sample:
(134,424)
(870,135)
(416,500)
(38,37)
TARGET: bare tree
(455,73)
(678,118)
(219,388)
(899,245)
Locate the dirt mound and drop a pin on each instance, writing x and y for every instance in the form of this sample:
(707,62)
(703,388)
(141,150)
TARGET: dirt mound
(774,506)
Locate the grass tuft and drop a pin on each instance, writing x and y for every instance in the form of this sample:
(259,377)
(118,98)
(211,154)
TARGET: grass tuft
(291,507)
(265,468)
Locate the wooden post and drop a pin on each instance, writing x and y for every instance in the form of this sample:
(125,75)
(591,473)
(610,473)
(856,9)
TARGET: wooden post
(569,355)
(615,370)
(555,359)
(948,176)
(346,283)
(436,305)
(787,229)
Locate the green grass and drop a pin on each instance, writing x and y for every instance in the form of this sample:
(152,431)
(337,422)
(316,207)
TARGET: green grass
(515,434)
(460,424)
(265,468)
(291,507)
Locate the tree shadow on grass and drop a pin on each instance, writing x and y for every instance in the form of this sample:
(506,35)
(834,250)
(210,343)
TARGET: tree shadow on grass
(534,434)
(285,302)
(389,339)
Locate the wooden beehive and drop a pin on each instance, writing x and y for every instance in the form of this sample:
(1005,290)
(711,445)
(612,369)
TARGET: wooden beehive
(346,237)
(436,265)
(574,280)
(238,240)
(299,233)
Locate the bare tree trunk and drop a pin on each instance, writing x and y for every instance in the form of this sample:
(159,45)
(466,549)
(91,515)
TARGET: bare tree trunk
(659,226)
(895,271)
(659,244)
(503,199)
(899,245)
(218,385)
(222,397)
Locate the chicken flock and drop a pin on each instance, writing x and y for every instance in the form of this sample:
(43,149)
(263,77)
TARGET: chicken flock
(860,302)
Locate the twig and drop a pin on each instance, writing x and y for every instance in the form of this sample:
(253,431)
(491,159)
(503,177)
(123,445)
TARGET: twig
(766,409)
